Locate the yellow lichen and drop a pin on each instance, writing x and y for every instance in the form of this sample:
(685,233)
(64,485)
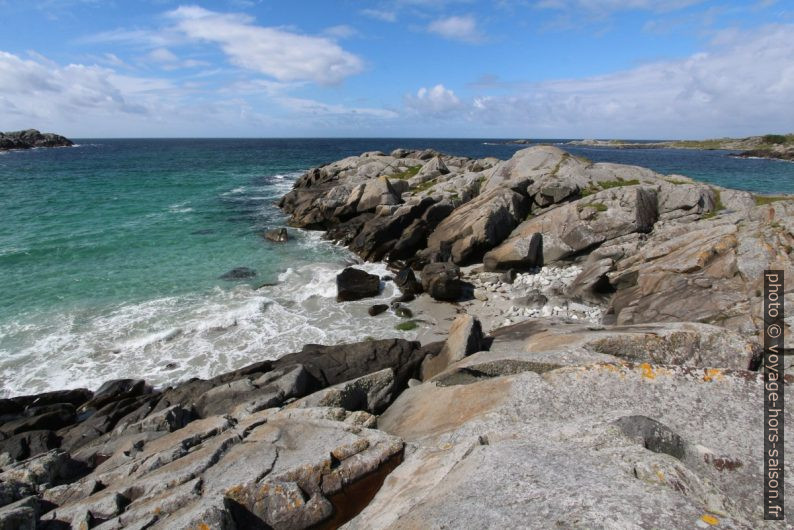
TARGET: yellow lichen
(647,371)
(712,374)
(709,519)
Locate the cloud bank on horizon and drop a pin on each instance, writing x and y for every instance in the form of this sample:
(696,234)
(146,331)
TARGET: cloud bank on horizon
(411,68)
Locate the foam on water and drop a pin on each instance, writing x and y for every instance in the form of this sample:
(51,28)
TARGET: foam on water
(173,338)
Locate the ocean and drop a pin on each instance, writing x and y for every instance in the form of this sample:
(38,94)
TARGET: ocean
(111,253)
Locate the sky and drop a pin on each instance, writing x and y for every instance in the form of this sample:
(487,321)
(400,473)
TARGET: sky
(642,69)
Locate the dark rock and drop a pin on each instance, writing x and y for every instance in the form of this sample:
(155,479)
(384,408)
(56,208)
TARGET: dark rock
(355,284)
(31,138)
(16,406)
(27,444)
(185,394)
(377,309)
(115,390)
(406,281)
(239,273)
(277,235)
(380,234)
(20,515)
(53,420)
(331,365)
(347,231)
(102,421)
(442,281)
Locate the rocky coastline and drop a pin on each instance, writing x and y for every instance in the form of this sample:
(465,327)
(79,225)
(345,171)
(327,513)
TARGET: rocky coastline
(587,358)
(31,138)
(772,146)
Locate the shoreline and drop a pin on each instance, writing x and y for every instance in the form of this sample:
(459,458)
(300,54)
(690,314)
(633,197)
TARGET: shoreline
(576,315)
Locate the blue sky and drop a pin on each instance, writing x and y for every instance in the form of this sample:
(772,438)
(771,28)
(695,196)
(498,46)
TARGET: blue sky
(398,68)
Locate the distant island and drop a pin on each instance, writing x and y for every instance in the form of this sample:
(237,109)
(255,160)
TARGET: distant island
(31,138)
(777,146)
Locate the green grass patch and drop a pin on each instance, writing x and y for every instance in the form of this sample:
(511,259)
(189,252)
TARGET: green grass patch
(424,186)
(676,181)
(404,175)
(597,206)
(619,183)
(718,206)
(406,326)
(761,200)
(778,139)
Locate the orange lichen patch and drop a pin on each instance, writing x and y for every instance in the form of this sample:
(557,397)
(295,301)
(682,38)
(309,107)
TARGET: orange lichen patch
(660,474)
(712,374)
(647,371)
(709,519)
(203,526)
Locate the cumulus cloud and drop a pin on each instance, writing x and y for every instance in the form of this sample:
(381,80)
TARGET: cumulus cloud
(462,28)
(744,82)
(436,101)
(278,53)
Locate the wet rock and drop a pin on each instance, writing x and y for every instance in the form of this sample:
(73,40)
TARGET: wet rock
(239,273)
(406,281)
(377,309)
(27,444)
(115,390)
(277,235)
(355,284)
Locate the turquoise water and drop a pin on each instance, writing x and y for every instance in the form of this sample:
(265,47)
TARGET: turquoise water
(111,252)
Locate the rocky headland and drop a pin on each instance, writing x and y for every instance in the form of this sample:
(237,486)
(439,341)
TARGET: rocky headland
(588,357)
(30,138)
(775,146)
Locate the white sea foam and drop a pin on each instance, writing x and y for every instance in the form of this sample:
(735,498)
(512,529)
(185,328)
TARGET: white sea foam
(199,335)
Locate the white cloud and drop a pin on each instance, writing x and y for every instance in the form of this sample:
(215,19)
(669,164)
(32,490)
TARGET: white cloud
(342,31)
(380,14)
(462,28)
(310,106)
(436,101)
(281,54)
(162,55)
(744,84)
(608,6)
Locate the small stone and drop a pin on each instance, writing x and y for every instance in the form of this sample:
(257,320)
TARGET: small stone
(377,309)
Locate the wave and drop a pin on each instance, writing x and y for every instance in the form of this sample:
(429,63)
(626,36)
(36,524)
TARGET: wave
(169,339)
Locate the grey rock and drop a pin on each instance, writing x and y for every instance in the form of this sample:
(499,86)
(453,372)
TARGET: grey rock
(277,235)
(465,337)
(442,281)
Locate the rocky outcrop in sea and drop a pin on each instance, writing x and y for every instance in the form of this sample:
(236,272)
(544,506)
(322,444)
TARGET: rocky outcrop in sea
(31,138)
(598,369)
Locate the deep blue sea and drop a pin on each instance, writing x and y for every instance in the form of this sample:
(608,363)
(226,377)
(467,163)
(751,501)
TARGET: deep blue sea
(111,252)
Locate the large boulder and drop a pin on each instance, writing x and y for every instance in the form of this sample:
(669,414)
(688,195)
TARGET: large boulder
(576,227)
(442,281)
(479,225)
(465,337)
(355,284)
(375,193)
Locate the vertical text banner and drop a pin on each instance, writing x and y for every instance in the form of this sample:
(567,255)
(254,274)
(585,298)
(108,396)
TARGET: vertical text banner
(773,395)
